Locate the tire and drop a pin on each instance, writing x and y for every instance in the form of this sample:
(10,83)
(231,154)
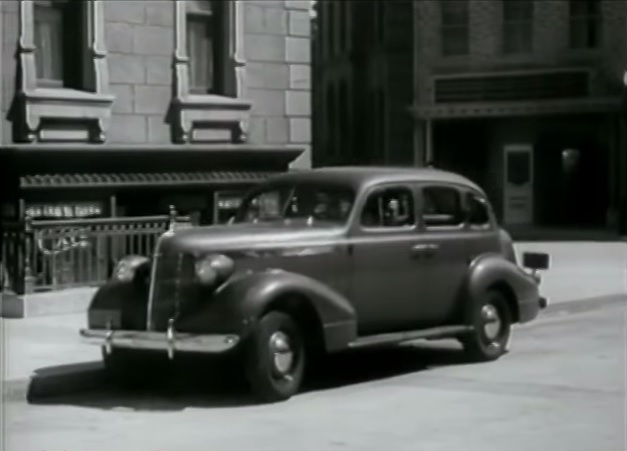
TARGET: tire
(271,374)
(486,344)
(129,369)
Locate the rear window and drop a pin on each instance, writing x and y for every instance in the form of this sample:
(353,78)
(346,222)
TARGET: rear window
(442,207)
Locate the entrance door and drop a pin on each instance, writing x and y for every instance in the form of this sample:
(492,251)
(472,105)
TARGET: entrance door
(518,184)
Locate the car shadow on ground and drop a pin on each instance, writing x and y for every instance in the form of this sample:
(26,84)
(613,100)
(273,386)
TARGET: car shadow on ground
(211,383)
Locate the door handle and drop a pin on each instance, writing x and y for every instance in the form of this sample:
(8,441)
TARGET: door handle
(420,249)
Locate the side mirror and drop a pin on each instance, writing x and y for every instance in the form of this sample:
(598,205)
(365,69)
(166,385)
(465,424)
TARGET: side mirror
(536,260)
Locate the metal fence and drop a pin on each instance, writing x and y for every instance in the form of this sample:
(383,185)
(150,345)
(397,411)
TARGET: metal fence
(54,254)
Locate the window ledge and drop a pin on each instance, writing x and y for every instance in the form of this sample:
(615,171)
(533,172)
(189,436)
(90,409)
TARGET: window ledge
(85,115)
(68,95)
(210,117)
(214,101)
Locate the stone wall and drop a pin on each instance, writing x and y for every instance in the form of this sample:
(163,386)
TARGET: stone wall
(550,43)
(139,38)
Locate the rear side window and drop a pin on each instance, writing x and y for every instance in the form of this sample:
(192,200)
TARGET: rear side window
(478,213)
(442,207)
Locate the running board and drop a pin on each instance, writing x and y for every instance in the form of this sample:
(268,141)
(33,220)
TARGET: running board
(399,337)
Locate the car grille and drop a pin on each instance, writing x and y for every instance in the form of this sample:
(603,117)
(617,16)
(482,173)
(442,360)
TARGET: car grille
(175,288)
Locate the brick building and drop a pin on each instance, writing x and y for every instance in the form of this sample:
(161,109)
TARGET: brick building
(133,105)
(521,96)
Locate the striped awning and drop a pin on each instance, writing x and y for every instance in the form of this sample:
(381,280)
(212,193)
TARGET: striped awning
(140,180)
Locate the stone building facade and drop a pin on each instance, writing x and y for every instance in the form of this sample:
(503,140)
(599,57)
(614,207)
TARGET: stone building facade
(165,75)
(522,96)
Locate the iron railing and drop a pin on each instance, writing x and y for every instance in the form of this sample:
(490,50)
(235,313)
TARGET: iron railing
(42,255)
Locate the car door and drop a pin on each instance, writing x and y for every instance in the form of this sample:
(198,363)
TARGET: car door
(445,261)
(386,280)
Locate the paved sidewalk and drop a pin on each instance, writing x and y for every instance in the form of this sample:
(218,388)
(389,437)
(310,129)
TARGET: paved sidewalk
(44,353)
(581,270)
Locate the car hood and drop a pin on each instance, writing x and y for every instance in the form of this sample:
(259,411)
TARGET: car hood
(198,240)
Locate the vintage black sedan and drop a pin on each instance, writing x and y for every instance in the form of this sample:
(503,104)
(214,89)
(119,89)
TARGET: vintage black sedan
(323,261)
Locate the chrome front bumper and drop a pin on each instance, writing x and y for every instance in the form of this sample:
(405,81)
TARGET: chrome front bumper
(169,341)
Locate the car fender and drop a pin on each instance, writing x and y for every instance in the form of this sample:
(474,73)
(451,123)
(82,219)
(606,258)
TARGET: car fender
(124,304)
(237,305)
(493,270)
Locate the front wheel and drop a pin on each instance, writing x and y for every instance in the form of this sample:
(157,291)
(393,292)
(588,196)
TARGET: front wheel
(492,322)
(275,358)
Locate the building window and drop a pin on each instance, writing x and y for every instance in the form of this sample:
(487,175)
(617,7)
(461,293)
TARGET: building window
(204,46)
(210,81)
(455,27)
(63,76)
(517,26)
(335,27)
(331,109)
(348,25)
(585,23)
(380,142)
(344,120)
(325,28)
(59,43)
(341,36)
(379,12)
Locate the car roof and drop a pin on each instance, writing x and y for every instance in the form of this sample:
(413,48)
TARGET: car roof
(361,177)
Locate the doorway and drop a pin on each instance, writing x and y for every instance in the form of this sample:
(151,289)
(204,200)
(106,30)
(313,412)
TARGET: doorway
(571,172)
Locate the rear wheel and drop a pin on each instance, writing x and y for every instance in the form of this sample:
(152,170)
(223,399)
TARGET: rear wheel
(492,322)
(275,358)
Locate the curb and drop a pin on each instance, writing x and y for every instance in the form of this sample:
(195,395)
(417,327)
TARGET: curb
(584,305)
(78,377)
(51,303)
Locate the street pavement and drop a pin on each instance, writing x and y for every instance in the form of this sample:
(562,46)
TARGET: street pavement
(562,387)
(43,357)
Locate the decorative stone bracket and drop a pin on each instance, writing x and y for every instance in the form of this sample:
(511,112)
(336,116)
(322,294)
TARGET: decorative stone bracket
(211,117)
(84,115)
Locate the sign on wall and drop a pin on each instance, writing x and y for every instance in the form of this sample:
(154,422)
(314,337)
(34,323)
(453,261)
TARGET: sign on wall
(65,210)
(226,204)
(518,184)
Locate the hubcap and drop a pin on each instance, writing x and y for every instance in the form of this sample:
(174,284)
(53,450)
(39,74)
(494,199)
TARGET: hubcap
(492,321)
(283,355)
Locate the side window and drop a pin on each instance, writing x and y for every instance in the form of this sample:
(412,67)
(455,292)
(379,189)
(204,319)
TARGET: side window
(392,207)
(442,207)
(478,214)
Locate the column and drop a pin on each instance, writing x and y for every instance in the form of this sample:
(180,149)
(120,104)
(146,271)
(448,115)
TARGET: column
(419,143)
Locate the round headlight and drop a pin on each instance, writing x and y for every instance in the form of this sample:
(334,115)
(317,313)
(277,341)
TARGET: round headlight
(214,269)
(124,272)
(205,273)
(126,269)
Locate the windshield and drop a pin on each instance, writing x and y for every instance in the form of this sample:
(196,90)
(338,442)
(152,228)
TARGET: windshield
(298,201)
